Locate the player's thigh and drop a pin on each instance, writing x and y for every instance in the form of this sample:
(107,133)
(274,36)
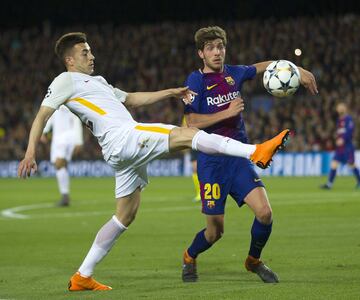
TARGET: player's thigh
(127,207)
(61,151)
(340,158)
(128,179)
(129,182)
(181,138)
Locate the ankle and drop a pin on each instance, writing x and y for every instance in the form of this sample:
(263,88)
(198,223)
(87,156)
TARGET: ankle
(187,258)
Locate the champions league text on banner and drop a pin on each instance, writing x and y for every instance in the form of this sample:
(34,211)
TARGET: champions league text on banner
(284,164)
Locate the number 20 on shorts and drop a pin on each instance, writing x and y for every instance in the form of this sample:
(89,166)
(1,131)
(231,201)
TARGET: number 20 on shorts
(212,191)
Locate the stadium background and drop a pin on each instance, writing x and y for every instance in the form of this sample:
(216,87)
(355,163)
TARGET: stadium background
(150,48)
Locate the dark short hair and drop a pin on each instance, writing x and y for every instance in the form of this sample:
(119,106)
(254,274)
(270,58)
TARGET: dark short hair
(210,33)
(66,42)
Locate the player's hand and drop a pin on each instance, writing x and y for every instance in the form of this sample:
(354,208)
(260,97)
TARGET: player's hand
(185,94)
(307,79)
(236,106)
(25,167)
(339,142)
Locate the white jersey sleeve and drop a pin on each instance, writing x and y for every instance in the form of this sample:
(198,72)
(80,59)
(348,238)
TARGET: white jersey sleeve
(119,94)
(60,90)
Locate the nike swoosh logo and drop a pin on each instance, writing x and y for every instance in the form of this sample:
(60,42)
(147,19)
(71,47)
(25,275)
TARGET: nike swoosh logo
(257,179)
(211,86)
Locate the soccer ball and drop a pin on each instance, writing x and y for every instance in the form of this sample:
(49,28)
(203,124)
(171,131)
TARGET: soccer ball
(281,78)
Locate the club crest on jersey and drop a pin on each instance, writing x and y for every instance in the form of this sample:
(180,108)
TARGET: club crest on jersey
(192,98)
(144,143)
(210,203)
(230,80)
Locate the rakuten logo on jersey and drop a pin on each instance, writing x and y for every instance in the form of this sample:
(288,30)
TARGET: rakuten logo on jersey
(221,100)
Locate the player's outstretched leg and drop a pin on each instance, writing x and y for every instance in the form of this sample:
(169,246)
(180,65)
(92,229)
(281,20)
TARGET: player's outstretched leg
(264,152)
(256,266)
(80,283)
(189,272)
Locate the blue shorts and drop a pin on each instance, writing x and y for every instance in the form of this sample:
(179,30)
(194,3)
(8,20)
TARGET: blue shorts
(221,176)
(345,155)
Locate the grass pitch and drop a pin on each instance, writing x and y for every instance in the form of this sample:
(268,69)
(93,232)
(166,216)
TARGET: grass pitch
(314,247)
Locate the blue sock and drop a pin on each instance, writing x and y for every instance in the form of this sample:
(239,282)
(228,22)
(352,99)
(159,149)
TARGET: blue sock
(259,235)
(357,174)
(199,244)
(332,176)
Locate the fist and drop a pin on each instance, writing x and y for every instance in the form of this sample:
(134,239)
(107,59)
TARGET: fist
(236,107)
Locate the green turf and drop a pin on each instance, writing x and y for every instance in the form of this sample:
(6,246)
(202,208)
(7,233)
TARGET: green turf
(315,245)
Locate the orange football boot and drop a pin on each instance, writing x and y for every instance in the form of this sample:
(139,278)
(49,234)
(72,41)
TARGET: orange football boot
(80,283)
(264,152)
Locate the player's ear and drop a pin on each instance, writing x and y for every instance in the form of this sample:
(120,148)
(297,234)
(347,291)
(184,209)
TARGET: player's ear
(201,54)
(68,60)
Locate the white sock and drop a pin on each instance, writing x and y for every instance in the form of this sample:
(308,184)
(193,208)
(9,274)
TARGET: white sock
(217,144)
(102,244)
(63,179)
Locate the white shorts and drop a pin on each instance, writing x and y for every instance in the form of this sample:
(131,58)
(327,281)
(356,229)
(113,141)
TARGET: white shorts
(144,143)
(62,147)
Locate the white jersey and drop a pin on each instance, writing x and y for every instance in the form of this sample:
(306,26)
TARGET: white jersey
(98,104)
(65,126)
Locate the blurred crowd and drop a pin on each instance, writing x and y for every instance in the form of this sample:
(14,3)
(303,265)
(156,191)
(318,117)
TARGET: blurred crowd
(157,56)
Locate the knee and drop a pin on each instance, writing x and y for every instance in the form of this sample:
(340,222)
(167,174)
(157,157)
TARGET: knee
(60,163)
(126,219)
(181,137)
(213,236)
(264,215)
(334,165)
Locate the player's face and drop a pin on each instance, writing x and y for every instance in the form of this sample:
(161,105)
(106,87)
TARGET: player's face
(341,109)
(81,59)
(213,55)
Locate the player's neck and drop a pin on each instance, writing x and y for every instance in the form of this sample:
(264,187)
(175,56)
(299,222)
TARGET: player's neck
(207,69)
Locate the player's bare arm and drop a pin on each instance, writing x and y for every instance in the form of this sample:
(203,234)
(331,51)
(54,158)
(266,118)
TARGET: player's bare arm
(146,98)
(261,66)
(29,163)
(44,138)
(307,79)
(205,120)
